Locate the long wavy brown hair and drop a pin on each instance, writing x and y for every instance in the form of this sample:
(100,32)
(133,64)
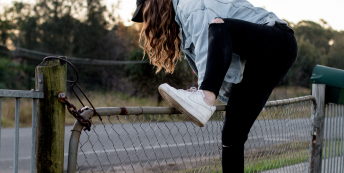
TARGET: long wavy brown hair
(160,34)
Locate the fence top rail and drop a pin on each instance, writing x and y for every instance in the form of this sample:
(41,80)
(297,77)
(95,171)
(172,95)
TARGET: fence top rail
(291,101)
(21,94)
(106,111)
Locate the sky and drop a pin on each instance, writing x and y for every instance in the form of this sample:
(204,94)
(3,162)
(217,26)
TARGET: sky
(331,11)
(291,10)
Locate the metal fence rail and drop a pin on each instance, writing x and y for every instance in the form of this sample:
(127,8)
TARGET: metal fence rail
(333,148)
(163,140)
(17,94)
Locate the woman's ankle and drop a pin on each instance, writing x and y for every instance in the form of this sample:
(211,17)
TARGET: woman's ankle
(209,97)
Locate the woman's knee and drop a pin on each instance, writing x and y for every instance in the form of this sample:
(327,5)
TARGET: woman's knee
(217,20)
(232,137)
(226,20)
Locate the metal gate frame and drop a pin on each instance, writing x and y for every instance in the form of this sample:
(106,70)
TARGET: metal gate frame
(18,94)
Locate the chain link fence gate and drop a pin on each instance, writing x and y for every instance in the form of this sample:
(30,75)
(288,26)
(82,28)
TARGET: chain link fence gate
(163,140)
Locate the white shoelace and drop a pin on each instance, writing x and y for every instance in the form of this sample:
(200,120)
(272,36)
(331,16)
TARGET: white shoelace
(192,89)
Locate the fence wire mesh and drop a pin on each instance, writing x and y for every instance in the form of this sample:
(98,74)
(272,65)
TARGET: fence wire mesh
(333,148)
(157,143)
(279,141)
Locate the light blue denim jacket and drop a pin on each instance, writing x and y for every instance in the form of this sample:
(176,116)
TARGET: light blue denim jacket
(194,17)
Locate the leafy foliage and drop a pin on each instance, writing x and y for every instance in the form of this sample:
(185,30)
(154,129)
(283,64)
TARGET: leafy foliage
(317,44)
(146,81)
(90,30)
(76,28)
(11,72)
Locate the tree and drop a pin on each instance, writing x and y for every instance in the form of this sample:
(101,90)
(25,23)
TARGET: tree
(313,48)
(5,27)
(315,34)
(146,81)
(308,56)
(336,54)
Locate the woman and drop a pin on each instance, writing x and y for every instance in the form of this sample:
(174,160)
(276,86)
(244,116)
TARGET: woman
(219,38)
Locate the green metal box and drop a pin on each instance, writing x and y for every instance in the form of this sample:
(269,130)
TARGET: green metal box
(334,80)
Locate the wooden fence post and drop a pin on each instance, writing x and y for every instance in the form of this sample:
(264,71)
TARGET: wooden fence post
(51,116)
(318,91)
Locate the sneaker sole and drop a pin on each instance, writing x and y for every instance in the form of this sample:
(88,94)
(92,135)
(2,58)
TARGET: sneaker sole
(170,99)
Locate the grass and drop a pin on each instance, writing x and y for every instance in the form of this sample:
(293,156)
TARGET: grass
(332,148)
(98,99)
(260,159)
(279,156)
(8,112)
(112,99)
(284,92)
(268,158)
(275,162)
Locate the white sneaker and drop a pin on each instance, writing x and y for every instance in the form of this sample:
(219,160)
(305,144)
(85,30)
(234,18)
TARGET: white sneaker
(190,103)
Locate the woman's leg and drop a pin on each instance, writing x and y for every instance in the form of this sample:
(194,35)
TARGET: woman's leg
(219,56)
(246,101)
(233,159)
(250,41)
(270,52)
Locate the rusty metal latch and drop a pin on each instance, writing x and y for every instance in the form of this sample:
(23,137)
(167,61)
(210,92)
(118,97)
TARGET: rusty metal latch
(64,99)
(76,113)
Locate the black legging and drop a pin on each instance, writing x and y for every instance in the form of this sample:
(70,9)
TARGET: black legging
(270,51)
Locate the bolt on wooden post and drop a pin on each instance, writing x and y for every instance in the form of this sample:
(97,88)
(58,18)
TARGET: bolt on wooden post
(51,116)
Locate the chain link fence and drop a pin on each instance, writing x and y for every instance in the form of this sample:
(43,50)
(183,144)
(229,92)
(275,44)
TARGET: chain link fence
(280,139)
(163,140)
(333,148)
